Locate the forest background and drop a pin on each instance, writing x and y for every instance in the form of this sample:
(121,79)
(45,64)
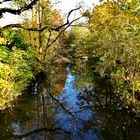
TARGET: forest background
(105,43)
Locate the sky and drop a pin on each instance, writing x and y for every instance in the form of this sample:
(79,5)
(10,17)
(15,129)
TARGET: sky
(64,6)
(67,5)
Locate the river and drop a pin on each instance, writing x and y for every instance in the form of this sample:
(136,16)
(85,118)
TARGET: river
(67,113)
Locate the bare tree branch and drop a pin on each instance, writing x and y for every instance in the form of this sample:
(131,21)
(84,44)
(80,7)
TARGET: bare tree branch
(17,11)
(4,1)
(63,107)
(69,24)
(60,104)
(43,28)
(49,44)
(30,29)
(40,130)
(71,12)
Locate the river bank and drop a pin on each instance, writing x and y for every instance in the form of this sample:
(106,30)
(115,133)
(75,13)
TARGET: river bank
(71,111)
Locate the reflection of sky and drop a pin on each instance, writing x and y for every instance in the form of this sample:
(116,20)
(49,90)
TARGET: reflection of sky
(70,118)
(31,114)
(67,122)
(16,126)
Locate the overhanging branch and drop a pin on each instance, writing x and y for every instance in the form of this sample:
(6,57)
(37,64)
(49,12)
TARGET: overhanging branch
(17,11)
(69,24)
(4,1)
(44,27)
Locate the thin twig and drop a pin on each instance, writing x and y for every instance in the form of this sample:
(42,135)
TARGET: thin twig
(63,31)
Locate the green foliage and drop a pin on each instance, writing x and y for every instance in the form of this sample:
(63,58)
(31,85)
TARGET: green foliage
(115,40)
(18,48)
(76,42)
(15,38)
(16,67)
(43,15)
(4,53)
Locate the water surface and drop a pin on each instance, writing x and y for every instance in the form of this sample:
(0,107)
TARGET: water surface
(47,115)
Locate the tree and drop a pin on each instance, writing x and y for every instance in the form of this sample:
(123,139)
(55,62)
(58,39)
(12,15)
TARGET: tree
(16,66)
(115,33)
(28,47)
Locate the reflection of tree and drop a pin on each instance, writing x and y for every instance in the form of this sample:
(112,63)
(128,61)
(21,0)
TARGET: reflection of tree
(51,130)
(117,124)
(38,118)
(5,120)
(106,120)
(41,112)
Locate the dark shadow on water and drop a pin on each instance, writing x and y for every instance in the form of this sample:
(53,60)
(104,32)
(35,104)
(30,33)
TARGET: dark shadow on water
(38,116)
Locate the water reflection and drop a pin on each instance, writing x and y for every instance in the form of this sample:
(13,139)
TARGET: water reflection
(39,116)
(72,118)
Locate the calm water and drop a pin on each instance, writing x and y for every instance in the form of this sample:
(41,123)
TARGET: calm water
(62,112)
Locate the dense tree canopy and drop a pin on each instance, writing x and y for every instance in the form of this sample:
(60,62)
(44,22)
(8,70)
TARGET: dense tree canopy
(115,41)
(27,48)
